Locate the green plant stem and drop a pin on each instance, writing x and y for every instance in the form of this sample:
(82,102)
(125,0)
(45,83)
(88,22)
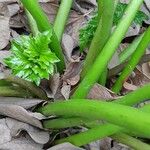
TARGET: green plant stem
(106,7)
(106,54)
(135,58)
(135,97)
(64,122)
(130,99)
(130,141)
(32,23)
(103,77)
(102,131)
(5,83)
(125,54)
(61,18)
(35,90)
(43,25)
(11,91)
(117,113)
(90,135)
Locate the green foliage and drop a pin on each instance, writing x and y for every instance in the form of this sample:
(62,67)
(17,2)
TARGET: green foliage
(31,58)
(87,32)
(120,9)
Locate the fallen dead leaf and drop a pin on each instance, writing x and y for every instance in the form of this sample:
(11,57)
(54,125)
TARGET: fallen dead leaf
(25,103)
(4,26)
(65,146)
(4,132)
(19,113)
(65,91)
(72,73)
(4,54)
(100,92)
(129,87)
(13,9)
(105,144)
(22,143)
(84,5)
(39,136)
(68,45)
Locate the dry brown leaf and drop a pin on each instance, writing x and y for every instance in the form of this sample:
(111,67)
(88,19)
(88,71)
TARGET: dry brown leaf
(4,132)
(4,54)
(12,137)
(65,91)
(105,144)
(140,78)
(133,30)
(39,136)
(22,143)
(19,113)
(84,5)
(4,26)
(146,69)
(129,87)
(72,73)
(93,145)
(68,45)
(50,9)
(114,61)
(8,1)
(65,146)
(100,92)
(13,9)
(17,21)
(25,103)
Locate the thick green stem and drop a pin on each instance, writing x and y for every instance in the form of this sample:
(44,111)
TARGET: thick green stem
(125,54)
(102,60)
(61,18)
(99,132)
(106,8)
(135,58)
(64,122)
(29,86)
(90,135)
(32,23)
(130,141)
(120,115)
(11,91)
(103,78)
(43,25)
(135,97)
(130,99)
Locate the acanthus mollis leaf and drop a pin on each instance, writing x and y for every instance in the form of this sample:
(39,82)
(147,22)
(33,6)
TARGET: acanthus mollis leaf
(31,58)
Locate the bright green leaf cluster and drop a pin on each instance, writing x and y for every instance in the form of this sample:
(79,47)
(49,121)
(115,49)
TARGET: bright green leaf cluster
(31,58)
(87,32)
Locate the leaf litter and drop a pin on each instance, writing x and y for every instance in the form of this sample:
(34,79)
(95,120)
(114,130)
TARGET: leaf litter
(19,127)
